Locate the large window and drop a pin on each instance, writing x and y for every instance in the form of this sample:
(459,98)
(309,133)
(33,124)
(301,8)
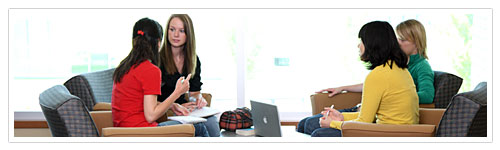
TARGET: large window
(276,56)
(292,54)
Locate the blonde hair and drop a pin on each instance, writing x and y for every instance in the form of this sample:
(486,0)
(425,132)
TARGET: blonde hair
(166,56)
(413,31)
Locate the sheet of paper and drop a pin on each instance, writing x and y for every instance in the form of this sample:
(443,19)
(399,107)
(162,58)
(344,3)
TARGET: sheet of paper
(204,112)
(187,119)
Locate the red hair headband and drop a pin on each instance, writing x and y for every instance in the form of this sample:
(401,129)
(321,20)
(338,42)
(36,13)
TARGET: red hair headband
(140,32)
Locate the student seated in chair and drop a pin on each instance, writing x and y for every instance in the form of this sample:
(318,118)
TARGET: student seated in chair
(389,94)
(412,40)
(137,83)
(178,59)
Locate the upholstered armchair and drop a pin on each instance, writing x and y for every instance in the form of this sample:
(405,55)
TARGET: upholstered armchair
(465,116)
(94,90)
(82,107)
(429,119)
(68,116)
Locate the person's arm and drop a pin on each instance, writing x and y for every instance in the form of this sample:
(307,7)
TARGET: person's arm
(425,89)
(153,111)
(349,88)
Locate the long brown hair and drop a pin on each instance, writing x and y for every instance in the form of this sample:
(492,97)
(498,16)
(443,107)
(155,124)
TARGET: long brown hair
(189,50)
(146,35)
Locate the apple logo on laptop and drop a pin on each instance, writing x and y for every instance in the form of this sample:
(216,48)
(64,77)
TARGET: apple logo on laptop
(265,120)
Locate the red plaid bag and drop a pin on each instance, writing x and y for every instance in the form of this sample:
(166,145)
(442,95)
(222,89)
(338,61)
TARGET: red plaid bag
(240,118)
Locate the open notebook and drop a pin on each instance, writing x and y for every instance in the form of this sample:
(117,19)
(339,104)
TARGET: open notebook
(196,116)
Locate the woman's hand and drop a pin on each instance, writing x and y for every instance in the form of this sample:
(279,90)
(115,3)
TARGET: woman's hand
(190,106)
(201,102)
(182,85)
(180,110)
(324,122)
(332,91)
(333,115)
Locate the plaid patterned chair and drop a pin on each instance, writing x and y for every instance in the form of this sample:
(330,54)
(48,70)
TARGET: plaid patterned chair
(68,116)
(446,85)
(93,88)
(466,115)
(82,107)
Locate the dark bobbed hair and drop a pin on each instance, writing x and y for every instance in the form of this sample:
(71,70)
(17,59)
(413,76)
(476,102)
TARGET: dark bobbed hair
(145,37)
(381,45)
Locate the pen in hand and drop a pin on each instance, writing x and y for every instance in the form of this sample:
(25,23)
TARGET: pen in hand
(328,112)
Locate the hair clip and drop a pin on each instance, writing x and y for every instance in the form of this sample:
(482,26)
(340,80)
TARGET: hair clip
(140,32)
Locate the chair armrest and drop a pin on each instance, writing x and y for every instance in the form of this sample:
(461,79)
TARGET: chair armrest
(102,119)
(341,101)
(431,105)
(181,130)
(430,116)
(102,106)
(360,129)
(208,97)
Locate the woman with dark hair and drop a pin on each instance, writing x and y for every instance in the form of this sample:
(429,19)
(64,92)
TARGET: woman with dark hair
(137,82)
(178,59)
(389,94)
(412,40)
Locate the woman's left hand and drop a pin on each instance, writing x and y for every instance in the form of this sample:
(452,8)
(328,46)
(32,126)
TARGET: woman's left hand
(201,102)
(334,115)
(324,122)
(180,110)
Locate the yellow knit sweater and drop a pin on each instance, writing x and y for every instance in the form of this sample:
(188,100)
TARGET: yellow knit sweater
(389,97)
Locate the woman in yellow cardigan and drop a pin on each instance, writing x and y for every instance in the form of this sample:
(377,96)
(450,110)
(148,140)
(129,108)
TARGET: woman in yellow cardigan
(389,94)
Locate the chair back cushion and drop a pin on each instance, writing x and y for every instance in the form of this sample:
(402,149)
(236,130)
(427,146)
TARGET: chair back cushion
(342,101)
(446,86)
(66,115)
(466,115)
(93,87)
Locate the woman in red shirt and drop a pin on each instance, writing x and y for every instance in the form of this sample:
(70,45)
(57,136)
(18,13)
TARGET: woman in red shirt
(137,82)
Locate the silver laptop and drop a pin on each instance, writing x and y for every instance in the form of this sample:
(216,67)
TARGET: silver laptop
(265,118)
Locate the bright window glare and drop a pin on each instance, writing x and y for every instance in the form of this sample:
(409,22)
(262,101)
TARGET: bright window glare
(289,54)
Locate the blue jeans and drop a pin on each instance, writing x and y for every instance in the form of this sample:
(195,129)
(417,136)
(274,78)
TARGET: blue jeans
(212,126)
(326,132)
(199,128)
(309,124)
